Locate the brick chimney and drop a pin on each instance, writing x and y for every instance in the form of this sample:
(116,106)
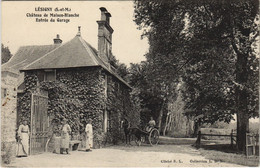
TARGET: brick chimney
(57,40)
(105,36)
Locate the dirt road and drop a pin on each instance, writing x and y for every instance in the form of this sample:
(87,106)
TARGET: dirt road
(120,156)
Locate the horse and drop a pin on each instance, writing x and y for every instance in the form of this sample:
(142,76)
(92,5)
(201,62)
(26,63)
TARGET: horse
(129,131)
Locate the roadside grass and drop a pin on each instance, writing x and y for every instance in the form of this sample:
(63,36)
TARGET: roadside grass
(224,153)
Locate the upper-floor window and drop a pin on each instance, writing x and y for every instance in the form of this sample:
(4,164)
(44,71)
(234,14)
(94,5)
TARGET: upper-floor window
(46,75)
(117,87)
(49,75)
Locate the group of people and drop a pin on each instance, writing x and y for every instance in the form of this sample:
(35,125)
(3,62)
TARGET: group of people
(23,135)
(65,136)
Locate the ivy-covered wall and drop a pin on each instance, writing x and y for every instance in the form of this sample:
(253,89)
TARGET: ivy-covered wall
(118,106)
(24,99)
(85,97)
(79,94)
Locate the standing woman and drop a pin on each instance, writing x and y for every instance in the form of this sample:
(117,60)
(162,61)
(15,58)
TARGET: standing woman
(65,137)
(23,139)
(89,136)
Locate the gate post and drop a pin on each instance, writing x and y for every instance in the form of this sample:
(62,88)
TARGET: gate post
(31,124)
(254,145)
(231,137)
(197,143)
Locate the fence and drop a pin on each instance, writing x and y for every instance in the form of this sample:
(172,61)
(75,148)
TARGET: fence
(231,135)
(252,141)
(252,144)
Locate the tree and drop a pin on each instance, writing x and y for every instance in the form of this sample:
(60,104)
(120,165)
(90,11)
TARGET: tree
(166,49)
(243,27)
(150,98)
(6,54)
(209,44)
(176,123)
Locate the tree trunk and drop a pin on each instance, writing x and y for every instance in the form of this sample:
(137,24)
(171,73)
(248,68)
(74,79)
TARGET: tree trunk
(160,117)
(241,101)
(242,120)
(242,129)
(166,124)
(196,128)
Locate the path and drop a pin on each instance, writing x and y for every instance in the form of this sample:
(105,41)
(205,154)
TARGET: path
(120,156)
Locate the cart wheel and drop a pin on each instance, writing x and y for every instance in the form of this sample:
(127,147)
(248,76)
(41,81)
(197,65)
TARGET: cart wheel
(154,137)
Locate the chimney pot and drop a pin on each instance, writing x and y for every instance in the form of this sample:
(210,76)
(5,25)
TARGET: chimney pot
(103,13)
(103,9)
(79,33)
(108,15)
(57,40)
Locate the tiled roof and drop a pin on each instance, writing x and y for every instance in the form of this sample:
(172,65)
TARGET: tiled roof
(74,53)
(26,55)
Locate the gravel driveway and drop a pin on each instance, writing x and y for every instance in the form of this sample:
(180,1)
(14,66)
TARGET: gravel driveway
(120,156)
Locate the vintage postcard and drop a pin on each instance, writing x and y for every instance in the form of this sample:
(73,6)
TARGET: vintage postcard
(130,83)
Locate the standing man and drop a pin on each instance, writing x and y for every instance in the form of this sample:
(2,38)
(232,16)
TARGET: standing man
(89,136)
(23,139)
(65,137)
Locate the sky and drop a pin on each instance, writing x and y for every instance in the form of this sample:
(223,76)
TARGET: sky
(19,30)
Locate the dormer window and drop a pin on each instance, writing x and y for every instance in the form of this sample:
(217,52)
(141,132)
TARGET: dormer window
(46,75)
(49,75)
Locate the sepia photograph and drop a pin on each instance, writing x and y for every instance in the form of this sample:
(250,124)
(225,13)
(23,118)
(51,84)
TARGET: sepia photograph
(142,83)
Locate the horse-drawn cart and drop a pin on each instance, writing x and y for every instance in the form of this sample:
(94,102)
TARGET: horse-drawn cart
(151,137)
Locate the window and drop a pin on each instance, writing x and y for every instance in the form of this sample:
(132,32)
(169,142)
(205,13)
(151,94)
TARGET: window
(3,92)
(105,85)
(49,75)
(105,121)
(117,87)
(109,121)
(40,75)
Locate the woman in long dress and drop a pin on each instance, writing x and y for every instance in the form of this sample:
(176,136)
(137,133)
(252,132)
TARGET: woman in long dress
(65,137)
(89,136)
(23,139)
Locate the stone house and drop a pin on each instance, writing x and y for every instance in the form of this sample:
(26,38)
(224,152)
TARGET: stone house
(72,80)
